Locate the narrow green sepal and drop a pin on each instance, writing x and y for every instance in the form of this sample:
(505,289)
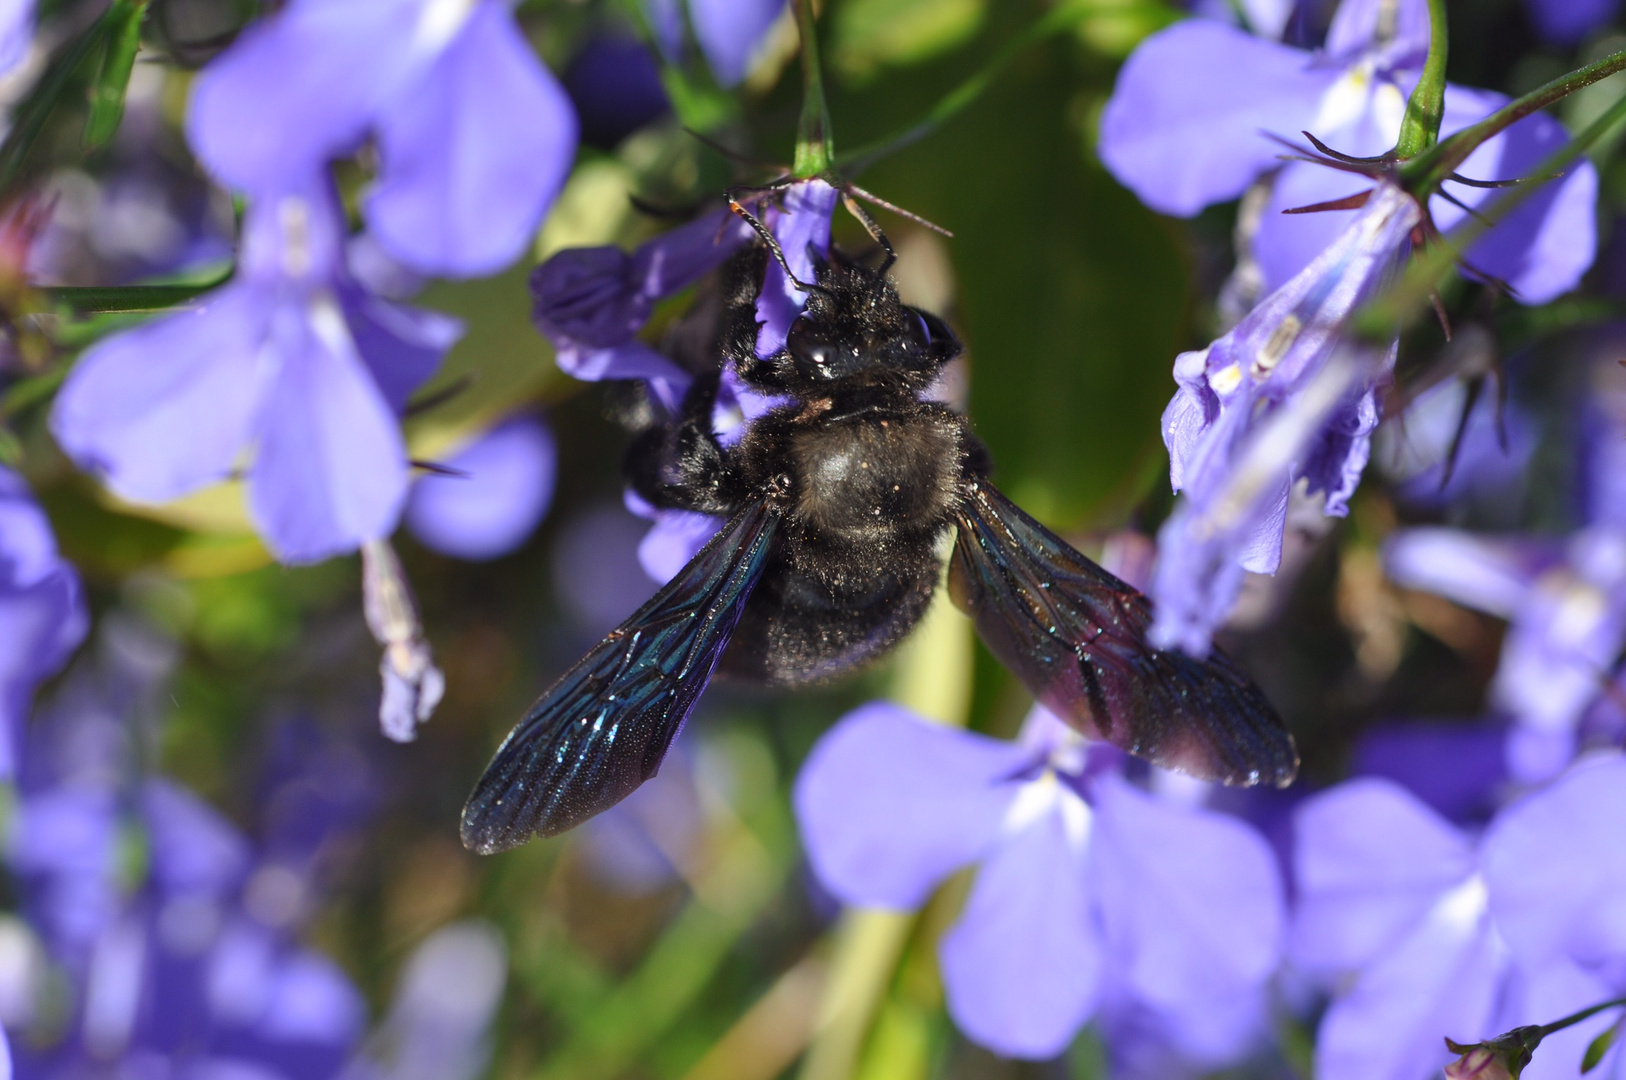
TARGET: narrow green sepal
(1597,1048)
(1420,129)
(814,154)
(118,60)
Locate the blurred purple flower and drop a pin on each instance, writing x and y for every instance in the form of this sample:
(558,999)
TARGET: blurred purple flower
(1087,885)
(1187,127)
(1426,933)
(504,489)
(729,31)
(184,955)
(474,136)
(1457,768)
(16,33)
(615,85)
(1282,398)
(291,358)
(654,836)
(591,302)
(1567,22)
(42,614)
(445,1001)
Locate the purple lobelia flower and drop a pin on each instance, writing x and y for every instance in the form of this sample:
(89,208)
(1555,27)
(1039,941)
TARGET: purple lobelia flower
(474,136)
(1426,932)
(1189,122)
(42,614)
(1087,886)
(1281,399)
(729,31)
(499,489)
(1566,605)
(615,86)
(1566,22)
(185,956)
(591,302)
(291,361)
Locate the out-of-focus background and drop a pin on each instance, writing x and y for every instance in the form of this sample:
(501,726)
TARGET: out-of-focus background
(222,714)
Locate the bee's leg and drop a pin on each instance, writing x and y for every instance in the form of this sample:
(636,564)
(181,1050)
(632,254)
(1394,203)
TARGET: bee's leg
(681,465)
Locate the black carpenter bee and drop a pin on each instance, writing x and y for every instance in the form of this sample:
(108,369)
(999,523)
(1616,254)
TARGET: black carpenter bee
(837,505)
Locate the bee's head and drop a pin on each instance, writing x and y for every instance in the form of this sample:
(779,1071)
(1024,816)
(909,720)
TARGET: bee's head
(855,329)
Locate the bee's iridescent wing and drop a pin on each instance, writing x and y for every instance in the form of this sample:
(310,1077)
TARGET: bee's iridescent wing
(604,727)
(1076,637)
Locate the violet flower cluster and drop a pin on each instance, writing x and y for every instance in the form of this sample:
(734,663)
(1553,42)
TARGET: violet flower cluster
(295,374)
(1283,402)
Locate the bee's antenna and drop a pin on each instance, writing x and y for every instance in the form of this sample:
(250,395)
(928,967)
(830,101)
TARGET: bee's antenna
(726,151)
(871,227)
(767,238)
(850,189)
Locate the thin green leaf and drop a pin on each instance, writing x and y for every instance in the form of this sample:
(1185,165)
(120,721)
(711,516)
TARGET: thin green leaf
(1597,1048)
(95,299)
(28,122)
(118,60)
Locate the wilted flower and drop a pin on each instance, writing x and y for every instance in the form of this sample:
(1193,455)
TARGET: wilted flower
(497,489)
(1501,1058)
(42,615)
(1190,121)
(474,136)
(413,685)
(1084,885)
(1281,399)
(291,361)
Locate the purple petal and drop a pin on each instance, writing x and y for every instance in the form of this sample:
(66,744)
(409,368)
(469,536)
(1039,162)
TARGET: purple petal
(495,505)
(1370,862)
(310,999)
(1402,25)
(331,469)
(473,149)
(676,537)
(16,34)
(448,994)
(1556,870)
(802,227)
(730,31)
(193,848)
(1442,978)
(1566,22)
(1493,576)
(1022,968)
(1568,630)
(1191,901)
(401,346)
(1184,126)
(890,804)
(1456,768)
(1560,989)
(27,545)
(1544,246)
(40,625)
(165,408)
(255,125)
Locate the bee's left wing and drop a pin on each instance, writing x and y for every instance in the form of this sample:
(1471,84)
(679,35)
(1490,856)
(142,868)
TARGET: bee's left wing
(604,727)
(1076,637)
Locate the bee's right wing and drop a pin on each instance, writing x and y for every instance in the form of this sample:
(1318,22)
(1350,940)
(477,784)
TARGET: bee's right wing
(1076,637)
(604,727)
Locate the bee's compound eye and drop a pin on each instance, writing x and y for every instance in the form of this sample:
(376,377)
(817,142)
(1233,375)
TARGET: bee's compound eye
(920,334)
(809,345)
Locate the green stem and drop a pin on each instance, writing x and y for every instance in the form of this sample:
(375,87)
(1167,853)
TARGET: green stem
(1424,173)
(29,119)
(1421,127)
(955,101)
(813,152)
(1576,1018)
(1409,296)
